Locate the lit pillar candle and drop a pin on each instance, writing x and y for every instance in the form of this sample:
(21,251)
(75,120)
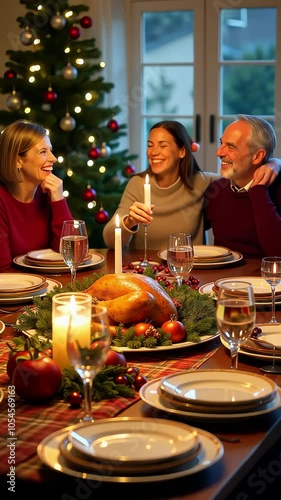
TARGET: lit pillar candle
(147,192)
(71,312)
(118,246)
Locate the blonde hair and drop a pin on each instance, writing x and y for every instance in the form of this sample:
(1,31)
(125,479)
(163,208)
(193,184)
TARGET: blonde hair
(15,141)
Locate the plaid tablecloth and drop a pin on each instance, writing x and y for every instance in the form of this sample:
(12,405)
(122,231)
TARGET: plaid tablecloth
(34,422)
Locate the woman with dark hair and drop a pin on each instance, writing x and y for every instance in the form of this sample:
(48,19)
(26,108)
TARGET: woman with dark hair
(177,192)
(32,205)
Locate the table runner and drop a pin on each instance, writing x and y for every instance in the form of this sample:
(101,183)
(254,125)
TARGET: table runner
(34,422)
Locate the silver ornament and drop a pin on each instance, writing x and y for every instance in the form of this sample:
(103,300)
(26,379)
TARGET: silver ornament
(105,151)
(14,101)
(69,72)
(58,22)
(67,124)
(27,37)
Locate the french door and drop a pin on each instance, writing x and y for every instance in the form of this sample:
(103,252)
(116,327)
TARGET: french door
(202,62)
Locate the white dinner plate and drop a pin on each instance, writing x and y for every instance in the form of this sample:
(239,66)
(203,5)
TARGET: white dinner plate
(236,257)
(149,393)
(270,333)
(133,441)
(210,252)
(49,452)
(16,282)
(2,326)
(20,300)
(261,288)
(208,289)
(95,261)
(218,387)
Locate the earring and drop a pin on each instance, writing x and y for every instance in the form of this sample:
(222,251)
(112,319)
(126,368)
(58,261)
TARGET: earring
(19,170)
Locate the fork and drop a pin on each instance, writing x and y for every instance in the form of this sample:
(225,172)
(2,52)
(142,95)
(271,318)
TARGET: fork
(10,311)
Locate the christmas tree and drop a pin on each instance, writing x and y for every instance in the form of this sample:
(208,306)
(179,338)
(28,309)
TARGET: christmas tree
(56,80)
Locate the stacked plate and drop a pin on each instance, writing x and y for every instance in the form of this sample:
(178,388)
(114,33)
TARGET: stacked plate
(18,288)
(49,261)
(262,290)
(266,345)
(213,395)
(131,450)
(210,256)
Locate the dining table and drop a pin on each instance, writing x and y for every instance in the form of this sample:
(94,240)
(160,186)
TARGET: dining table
(251,462)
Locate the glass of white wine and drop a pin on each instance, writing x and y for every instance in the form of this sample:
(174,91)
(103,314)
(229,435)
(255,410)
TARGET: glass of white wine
(180,255)
(271,272)
(235,315)
(74,245)
(87,355)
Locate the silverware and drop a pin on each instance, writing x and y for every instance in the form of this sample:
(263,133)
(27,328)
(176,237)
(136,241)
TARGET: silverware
(10,311)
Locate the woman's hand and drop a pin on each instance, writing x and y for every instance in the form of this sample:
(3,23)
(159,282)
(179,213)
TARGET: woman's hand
(139,213)
(54,186)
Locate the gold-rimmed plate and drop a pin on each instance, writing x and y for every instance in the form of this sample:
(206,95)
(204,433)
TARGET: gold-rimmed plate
(19,282)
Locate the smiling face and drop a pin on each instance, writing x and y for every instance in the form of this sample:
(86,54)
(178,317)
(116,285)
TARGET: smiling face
(164,156)
(37,162)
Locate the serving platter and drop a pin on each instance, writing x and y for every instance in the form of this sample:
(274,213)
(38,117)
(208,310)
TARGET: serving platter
(49,452)
(95,261)
(233,259)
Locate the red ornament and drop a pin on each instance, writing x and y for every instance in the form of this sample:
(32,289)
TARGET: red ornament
(195,147)
(74,32)
(129,170)
(86,22)
(94,153)
(89,194)
(75,399)
(102,216)
(10,74)
(50,96)
(113,125)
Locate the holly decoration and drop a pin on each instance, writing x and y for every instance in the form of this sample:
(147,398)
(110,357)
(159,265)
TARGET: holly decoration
(86,22)
(50,96)
(129,170)
(102,216)
(89,194)
(94,153)
(9,74)
(74,32)
(113,125)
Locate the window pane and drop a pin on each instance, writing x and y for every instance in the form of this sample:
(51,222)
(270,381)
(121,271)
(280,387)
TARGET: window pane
(246,90)
(168,90)
(167,37)
(240,29)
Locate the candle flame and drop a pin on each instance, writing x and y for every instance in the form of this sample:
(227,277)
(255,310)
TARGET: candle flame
(117,221)
(72,306)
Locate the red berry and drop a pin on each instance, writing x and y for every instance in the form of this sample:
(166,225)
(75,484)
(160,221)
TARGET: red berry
(132,370)
(75,399)
(139,381)
(121,379)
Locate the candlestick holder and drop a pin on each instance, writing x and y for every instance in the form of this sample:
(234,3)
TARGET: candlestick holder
(145,263)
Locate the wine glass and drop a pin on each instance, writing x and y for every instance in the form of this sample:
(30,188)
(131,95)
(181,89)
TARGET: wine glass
(73,245)
(88,355)
(235,315)
(271,272)
(180,255)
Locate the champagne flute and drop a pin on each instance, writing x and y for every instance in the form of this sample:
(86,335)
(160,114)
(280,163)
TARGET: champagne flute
(235,315)
(88,355)
(180,255)
(271,272)
(73,245)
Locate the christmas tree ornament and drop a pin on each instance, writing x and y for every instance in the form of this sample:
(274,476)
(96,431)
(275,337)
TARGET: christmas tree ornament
(113,125)
(74,32)
(58,22)
(195,147)
(67,124)
(89,194)
(102,216)
(86,22)
(94,153)
(9,74)
(129,170)
(14,101)
(27,36)
(50,96)
(69,72)
(105,151)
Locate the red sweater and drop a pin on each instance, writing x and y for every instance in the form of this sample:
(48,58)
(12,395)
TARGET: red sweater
(29,226)
(248,222)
